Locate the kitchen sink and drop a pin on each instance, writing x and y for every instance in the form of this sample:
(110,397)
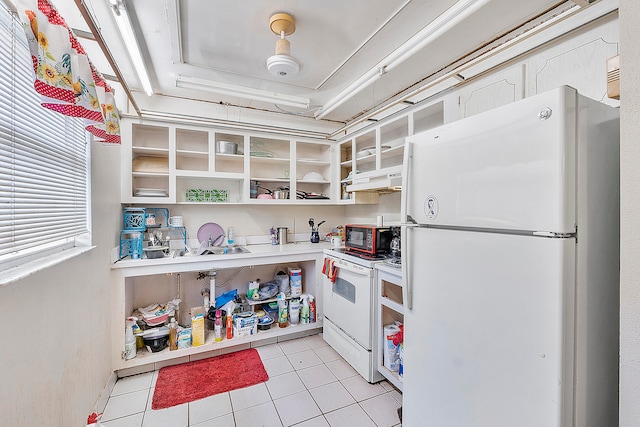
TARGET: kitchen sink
(216,250)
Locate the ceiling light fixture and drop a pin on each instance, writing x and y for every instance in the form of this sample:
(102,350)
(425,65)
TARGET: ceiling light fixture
(282,64)
(123,21)
(443,23)
(195,83)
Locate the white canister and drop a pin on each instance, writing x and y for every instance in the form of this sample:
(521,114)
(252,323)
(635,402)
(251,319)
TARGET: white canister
(294,311)
(336,241)
(176,221)
(295,281)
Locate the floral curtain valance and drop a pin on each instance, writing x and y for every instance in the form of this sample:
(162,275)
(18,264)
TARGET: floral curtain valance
(64,76)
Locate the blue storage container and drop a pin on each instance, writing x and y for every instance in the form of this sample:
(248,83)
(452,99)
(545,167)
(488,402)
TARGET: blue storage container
(134,219)
(131,243)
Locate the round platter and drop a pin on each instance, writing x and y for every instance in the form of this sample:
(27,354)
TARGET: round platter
(213,230)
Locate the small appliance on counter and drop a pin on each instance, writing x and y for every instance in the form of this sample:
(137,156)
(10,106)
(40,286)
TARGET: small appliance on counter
(367,239)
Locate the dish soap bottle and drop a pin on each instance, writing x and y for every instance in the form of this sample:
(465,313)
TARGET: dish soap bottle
(173,334)
(217,328)
(129,339)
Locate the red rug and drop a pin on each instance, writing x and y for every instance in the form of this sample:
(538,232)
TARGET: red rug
(195,380)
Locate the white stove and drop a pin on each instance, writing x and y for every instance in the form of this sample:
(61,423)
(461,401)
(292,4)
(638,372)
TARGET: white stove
(348,308)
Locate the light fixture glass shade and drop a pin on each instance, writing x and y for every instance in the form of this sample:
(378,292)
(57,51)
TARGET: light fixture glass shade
(282,65)
(123,21)
(436,28)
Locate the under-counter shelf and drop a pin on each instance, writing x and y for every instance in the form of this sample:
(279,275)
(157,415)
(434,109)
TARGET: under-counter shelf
(389,310)
(140,282)
(144,357)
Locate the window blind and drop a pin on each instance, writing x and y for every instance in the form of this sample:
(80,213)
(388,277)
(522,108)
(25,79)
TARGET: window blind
(44,162)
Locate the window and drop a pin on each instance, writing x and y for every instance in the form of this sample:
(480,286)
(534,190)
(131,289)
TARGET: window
(44,162)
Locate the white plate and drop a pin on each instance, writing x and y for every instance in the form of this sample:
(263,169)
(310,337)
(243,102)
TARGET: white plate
(151,192)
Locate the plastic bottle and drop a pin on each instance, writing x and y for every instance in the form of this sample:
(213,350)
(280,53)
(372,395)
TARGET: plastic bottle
(229,326)
(312,309)
(304,310)
(294,311)
(129,339)
(217,328)
(173,334)
(283,320)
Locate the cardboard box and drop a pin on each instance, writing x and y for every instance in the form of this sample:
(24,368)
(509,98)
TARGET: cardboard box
(197,326)
(245,324)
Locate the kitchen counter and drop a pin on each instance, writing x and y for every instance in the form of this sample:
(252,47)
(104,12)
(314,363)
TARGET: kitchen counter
(396,271)
(259,254)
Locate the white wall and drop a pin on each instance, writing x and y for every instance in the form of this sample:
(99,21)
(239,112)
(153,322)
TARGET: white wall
(630,215)
(56,352)
(256,220)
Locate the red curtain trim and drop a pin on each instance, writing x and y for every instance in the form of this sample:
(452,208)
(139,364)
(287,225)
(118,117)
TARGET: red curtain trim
(66,95)
(103,135)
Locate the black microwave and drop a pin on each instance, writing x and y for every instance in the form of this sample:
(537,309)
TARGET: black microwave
(367,239)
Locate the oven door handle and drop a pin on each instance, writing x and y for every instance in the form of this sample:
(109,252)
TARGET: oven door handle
(353,268)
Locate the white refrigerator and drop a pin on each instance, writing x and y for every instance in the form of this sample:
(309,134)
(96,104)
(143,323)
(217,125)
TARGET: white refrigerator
(511,267)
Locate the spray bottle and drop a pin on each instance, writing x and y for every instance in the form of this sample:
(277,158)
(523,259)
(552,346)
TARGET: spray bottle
(312,309)
(304,310)
(129,339)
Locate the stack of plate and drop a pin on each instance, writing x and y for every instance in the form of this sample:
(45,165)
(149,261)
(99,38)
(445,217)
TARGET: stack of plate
(151,192)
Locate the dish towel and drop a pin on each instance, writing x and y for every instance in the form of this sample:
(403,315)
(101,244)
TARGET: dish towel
(330,270)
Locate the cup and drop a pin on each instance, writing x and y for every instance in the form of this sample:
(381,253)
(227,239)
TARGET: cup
(336,241)
(231,236)
(176,221)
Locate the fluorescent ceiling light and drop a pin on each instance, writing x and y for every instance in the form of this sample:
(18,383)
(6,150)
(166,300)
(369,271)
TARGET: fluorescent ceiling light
(128,36)
(436,28)
(241,91)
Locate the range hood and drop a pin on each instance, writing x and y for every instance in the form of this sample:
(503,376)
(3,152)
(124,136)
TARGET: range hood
(382,180)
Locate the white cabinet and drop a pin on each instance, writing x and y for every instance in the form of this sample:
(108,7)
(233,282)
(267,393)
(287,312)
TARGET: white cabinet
(139,283)
(148,162)
(389,310)
(175,163)
(302,168)
(371,159)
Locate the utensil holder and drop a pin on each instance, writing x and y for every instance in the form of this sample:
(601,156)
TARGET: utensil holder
(315,237)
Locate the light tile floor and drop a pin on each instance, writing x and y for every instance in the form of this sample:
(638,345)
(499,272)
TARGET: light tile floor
(309,385)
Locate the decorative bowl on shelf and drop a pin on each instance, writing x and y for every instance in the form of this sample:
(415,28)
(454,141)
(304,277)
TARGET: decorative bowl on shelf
(313,176)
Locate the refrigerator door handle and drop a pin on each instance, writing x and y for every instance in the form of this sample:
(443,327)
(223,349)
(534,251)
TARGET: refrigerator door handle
(406,169)
(407,283)
(407,222)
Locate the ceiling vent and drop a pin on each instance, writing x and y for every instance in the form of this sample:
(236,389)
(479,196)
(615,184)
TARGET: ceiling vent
(282,64)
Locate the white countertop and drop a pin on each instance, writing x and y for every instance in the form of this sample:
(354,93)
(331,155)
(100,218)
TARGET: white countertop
(389,269)
(258,253)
